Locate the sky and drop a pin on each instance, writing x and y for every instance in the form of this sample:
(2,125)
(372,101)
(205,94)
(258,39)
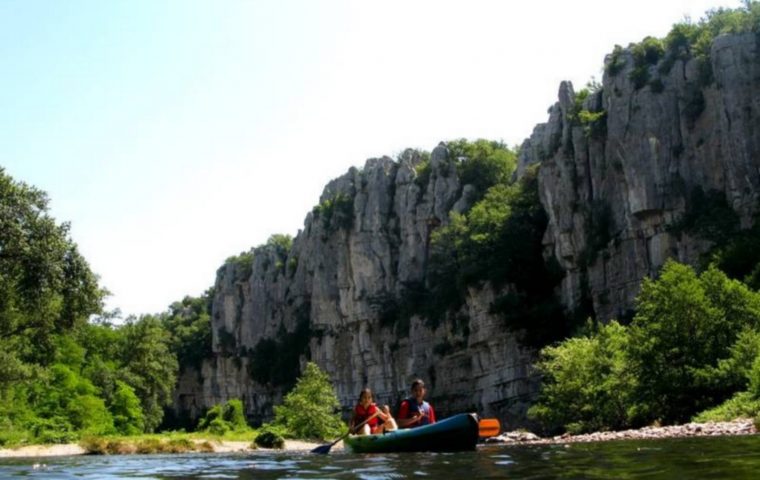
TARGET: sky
(175,134)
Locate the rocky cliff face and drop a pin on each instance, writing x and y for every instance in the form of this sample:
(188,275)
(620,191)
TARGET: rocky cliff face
(616,190)
(614,182)
(364,244)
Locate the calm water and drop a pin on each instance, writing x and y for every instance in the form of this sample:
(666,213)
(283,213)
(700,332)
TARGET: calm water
(724,458)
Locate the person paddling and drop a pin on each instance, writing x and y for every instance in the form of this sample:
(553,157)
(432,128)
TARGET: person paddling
(415,411)
(380,420)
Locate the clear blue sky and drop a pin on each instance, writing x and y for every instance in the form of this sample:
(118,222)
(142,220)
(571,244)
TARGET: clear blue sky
(175,134)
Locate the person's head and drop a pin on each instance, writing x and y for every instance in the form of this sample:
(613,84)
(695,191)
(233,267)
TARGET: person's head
(418,389)
(365,397)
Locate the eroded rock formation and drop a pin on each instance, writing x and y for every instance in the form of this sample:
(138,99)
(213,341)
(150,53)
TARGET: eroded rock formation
(614,184)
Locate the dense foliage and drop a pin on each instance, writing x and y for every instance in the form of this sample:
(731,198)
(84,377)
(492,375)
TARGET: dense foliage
(224,417)
(189,325)
(497,241)
(311,409)
(62,375)
(685,41)
(693,344)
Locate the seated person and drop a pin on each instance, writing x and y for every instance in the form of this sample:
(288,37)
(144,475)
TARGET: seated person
(415,411)
(380,420)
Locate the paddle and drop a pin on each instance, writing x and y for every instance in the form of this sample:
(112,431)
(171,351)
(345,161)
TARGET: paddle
(488,427)
(325,449)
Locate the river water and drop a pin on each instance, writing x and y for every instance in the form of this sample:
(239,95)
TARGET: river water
(693,458)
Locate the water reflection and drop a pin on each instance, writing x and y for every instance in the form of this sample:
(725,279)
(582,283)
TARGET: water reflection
(700,458)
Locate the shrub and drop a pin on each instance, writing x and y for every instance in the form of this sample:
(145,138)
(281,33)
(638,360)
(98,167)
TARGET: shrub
(587,384)
(224,417)
(336,213)
(243,264)
(483,164)
(684,324)
(615,62)
(270,436)
(594,123)
(310,409)
(741,405)
(693,343)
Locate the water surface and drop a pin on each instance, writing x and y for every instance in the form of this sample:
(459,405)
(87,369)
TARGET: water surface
(694,458)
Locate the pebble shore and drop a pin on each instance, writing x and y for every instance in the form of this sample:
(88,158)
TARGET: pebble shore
(744,426)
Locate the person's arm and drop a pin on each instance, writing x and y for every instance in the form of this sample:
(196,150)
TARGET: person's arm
(380,413)
(404,422)
(432,414)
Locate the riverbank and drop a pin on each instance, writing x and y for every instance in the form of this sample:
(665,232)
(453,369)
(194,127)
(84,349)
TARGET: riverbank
(742,426)
(203,445)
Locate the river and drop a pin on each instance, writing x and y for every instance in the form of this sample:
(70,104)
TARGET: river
(685,458)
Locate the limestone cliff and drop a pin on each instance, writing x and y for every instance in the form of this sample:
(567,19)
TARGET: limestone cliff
(618,169)
(615,192)
(360,248)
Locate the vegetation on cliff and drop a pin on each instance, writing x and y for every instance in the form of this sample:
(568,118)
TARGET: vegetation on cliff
(497,241)
(693,344)
(685,41)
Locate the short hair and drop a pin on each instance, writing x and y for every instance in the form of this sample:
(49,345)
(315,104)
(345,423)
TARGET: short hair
(417,383)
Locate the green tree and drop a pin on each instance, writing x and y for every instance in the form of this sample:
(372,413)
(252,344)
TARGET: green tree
(483,163)
(189,323)
(150,368)
(46,287)
(310,409)
(685,324)
(587,382)
(127,413)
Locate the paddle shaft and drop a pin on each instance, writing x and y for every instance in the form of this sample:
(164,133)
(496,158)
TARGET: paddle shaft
(326,448)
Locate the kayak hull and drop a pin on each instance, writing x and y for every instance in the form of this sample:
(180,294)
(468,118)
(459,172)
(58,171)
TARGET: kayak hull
(453,434)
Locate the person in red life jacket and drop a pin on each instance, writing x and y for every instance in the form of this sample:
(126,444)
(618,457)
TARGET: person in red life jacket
(365,409)
(415,411)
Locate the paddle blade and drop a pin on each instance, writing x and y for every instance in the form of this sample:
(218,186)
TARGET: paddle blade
(488,427)
(323,449)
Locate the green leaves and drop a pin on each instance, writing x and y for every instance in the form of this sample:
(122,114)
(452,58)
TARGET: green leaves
(221,418)
(150,367)
(310,409)
(686,323)
(587,383)
(693,343)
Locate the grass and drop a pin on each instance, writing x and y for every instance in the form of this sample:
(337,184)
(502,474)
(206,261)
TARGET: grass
(165,442)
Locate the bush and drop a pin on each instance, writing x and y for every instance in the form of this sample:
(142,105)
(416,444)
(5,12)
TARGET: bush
(270,436)
(309,411)
(587,383)
(336,213)
(483,164)
(685,324)
(693,343)
(741,405)
(126,410)
(224,417)
(615,62)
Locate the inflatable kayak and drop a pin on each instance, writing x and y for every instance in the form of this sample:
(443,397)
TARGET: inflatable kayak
(453,434)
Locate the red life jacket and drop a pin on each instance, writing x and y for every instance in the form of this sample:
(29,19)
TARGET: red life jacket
(361,414)
(409,407)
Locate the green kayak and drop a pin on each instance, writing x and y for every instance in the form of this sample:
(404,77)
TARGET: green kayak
(453,434)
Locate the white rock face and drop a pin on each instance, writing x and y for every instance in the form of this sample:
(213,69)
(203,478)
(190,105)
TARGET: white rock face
(612,197)
(342,266)
(639,175)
